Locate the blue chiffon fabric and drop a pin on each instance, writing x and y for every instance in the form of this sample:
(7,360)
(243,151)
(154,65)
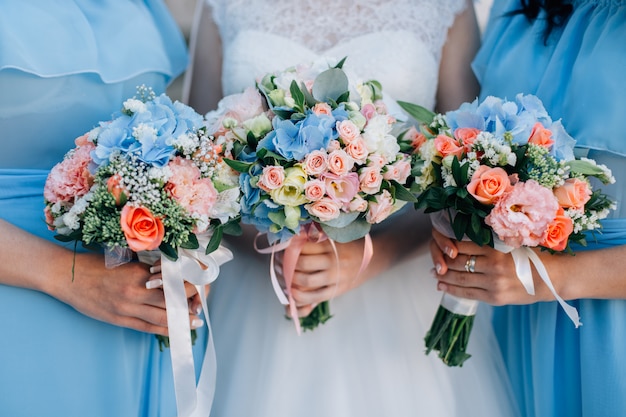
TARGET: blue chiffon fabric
(64,66)
(556,369)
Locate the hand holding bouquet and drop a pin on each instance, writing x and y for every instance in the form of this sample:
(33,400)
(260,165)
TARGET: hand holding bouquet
(317,158)
(502,173)
(150,179)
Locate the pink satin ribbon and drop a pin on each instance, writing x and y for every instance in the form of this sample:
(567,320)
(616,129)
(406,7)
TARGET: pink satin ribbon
(311,232)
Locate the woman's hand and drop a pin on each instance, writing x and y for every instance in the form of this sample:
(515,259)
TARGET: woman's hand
(493,279)
(120,295)
(322,274)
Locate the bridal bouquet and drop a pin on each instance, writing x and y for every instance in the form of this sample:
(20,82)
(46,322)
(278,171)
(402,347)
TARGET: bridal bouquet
(317,160)
(502,173)
(151,180)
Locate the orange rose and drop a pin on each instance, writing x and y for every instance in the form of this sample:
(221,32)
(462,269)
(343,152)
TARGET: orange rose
(489,184)
(142,230)
(541,136)
(467,136)
(117,189)
(558,231)
(573,194)
(446,145)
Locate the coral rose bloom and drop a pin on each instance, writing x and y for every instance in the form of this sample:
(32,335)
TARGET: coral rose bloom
(573,194)
(446,145)
(143,231)
(559,231)
(541,136)
(489,184)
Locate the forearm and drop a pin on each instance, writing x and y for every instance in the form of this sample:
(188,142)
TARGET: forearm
(591,274)
(29,262)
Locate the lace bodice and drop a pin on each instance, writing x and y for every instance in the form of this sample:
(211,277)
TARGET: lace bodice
(397,42)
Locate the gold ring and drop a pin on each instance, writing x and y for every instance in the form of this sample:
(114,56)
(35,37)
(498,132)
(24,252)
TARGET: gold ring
(470,265)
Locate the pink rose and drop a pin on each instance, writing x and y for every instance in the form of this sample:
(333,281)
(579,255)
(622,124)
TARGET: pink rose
(398,171)
(348,131)
(369,111)
(376,161)
(489,184)
(272,178)
(142,230)
(357,150)
(416,138)
(322,109)
(339,162)
(466,136)
(446,145)
(541,136)
(380,209)
(324,209)
(358,204)
(574,193)
(314,190)
(333,145)
(70,178)
(522,216)
(370,179)
(559,231)
(341,189)
(381,107)
(316,163)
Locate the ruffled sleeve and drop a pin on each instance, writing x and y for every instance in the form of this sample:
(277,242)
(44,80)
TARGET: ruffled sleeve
(54,38)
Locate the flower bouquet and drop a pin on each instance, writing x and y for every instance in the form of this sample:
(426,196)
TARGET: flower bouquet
(149,180)
(317,160)
(502,173)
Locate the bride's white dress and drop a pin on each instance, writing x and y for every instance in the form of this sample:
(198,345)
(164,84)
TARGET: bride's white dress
(368,360)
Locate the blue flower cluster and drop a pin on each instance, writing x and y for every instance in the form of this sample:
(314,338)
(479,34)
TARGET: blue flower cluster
(148,133)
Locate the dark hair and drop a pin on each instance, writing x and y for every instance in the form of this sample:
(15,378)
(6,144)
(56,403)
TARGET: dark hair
(557,13)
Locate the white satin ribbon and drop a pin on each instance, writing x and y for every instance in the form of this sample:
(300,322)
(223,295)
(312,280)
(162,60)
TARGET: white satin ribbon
(199,269)
(522,257)
(458,305)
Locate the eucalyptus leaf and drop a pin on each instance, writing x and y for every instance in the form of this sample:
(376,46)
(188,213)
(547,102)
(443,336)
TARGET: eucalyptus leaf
(355,230)
(330,85)
(343,220)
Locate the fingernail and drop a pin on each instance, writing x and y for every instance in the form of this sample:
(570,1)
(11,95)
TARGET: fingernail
(438,267)
(154,269)
(198,309)
(154,283)
(195,323)
(449,251)
(442,287)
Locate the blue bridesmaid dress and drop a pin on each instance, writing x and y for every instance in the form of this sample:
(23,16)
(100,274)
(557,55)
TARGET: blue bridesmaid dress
(64,66)
(556,369)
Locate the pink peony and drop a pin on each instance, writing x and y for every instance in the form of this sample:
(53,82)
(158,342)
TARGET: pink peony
(70,178)
(522,216)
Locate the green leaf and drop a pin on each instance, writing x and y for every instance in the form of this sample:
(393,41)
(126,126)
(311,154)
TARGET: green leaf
(216,239)
(283,113)
(191,243)
(232,227)
(401,193)
(310,100)
(169,251)
(297,95)
(419,113)
(252,140)
(340,63)
(330,85)
(238,166)
(460,225)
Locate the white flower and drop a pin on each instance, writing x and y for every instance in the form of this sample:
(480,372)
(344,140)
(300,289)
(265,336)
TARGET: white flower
(187,143)
(144,132)
(226,206)
(378,139)
(134,105)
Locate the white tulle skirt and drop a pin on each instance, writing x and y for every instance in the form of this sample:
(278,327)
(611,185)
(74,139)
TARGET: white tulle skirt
(368,360)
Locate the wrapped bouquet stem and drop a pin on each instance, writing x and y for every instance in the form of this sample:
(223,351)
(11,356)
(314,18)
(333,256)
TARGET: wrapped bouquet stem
(503,174)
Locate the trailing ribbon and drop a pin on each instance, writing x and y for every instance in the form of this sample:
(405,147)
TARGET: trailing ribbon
(199,269)
(310,232)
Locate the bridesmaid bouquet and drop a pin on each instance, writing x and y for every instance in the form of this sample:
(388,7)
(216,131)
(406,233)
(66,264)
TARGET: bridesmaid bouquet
(316,160)
(150,179)
(502,173)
